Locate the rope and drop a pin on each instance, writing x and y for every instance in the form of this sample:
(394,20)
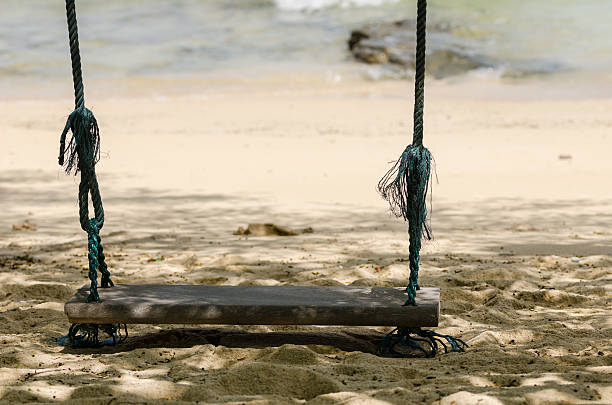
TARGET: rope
(96,261)
(416,342)
(81,155)
(419,76)
(73,36)
(406,184)
(87,335)
(405,187)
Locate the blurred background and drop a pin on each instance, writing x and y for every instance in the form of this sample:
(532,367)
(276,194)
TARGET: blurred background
(563,40)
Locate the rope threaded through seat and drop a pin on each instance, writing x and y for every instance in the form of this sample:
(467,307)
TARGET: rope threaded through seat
(417,342)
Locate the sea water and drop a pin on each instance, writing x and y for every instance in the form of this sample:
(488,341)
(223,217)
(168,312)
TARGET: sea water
(125,38)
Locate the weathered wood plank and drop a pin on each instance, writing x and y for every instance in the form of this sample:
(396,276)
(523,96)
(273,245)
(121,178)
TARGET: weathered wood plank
(255,305)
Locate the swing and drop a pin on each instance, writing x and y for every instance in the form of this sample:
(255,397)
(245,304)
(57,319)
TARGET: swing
(110,308)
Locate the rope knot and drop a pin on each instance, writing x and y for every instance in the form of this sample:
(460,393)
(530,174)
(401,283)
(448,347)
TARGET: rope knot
(83,151)
(417,342)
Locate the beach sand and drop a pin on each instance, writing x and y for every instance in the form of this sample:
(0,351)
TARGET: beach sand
(522,250)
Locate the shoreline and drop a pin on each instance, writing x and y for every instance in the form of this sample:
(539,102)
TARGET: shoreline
(480,84)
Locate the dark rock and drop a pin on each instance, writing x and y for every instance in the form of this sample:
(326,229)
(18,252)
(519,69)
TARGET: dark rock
(393,44)
(445,63)
(356,37)
(449,53)
(371,51)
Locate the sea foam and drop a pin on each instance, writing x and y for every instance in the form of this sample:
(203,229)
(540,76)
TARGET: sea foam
(313,5)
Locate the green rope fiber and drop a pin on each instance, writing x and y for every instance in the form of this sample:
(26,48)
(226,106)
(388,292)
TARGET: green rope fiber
(81,155)
(417,342)
(405,185)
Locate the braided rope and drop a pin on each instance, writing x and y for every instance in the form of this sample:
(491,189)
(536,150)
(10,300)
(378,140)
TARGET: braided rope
(419,77)
(417,342)
(406,184)
(105,280)
(419,167)
(83,152)
(73,36)
(416,183)
(89,186)
(97,261)
(86,335)
(405,187)
(92,244)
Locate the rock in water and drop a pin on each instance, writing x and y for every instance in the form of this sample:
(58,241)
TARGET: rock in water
(265,230)
(394,44)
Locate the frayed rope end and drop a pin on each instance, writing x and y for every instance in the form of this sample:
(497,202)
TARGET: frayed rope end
(83,150)
(405,187)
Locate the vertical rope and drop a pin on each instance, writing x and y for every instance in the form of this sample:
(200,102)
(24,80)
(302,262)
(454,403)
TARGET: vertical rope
(419,77)
(83,152)
(93,254)
(405,185)
(75,56)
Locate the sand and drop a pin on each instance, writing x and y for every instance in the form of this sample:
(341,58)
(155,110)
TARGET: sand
(522,254)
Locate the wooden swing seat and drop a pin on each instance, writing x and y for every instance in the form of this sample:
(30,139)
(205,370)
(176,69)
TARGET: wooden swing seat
(255,305)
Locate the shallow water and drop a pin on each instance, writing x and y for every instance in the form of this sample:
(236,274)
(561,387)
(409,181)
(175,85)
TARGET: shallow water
(123,38)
